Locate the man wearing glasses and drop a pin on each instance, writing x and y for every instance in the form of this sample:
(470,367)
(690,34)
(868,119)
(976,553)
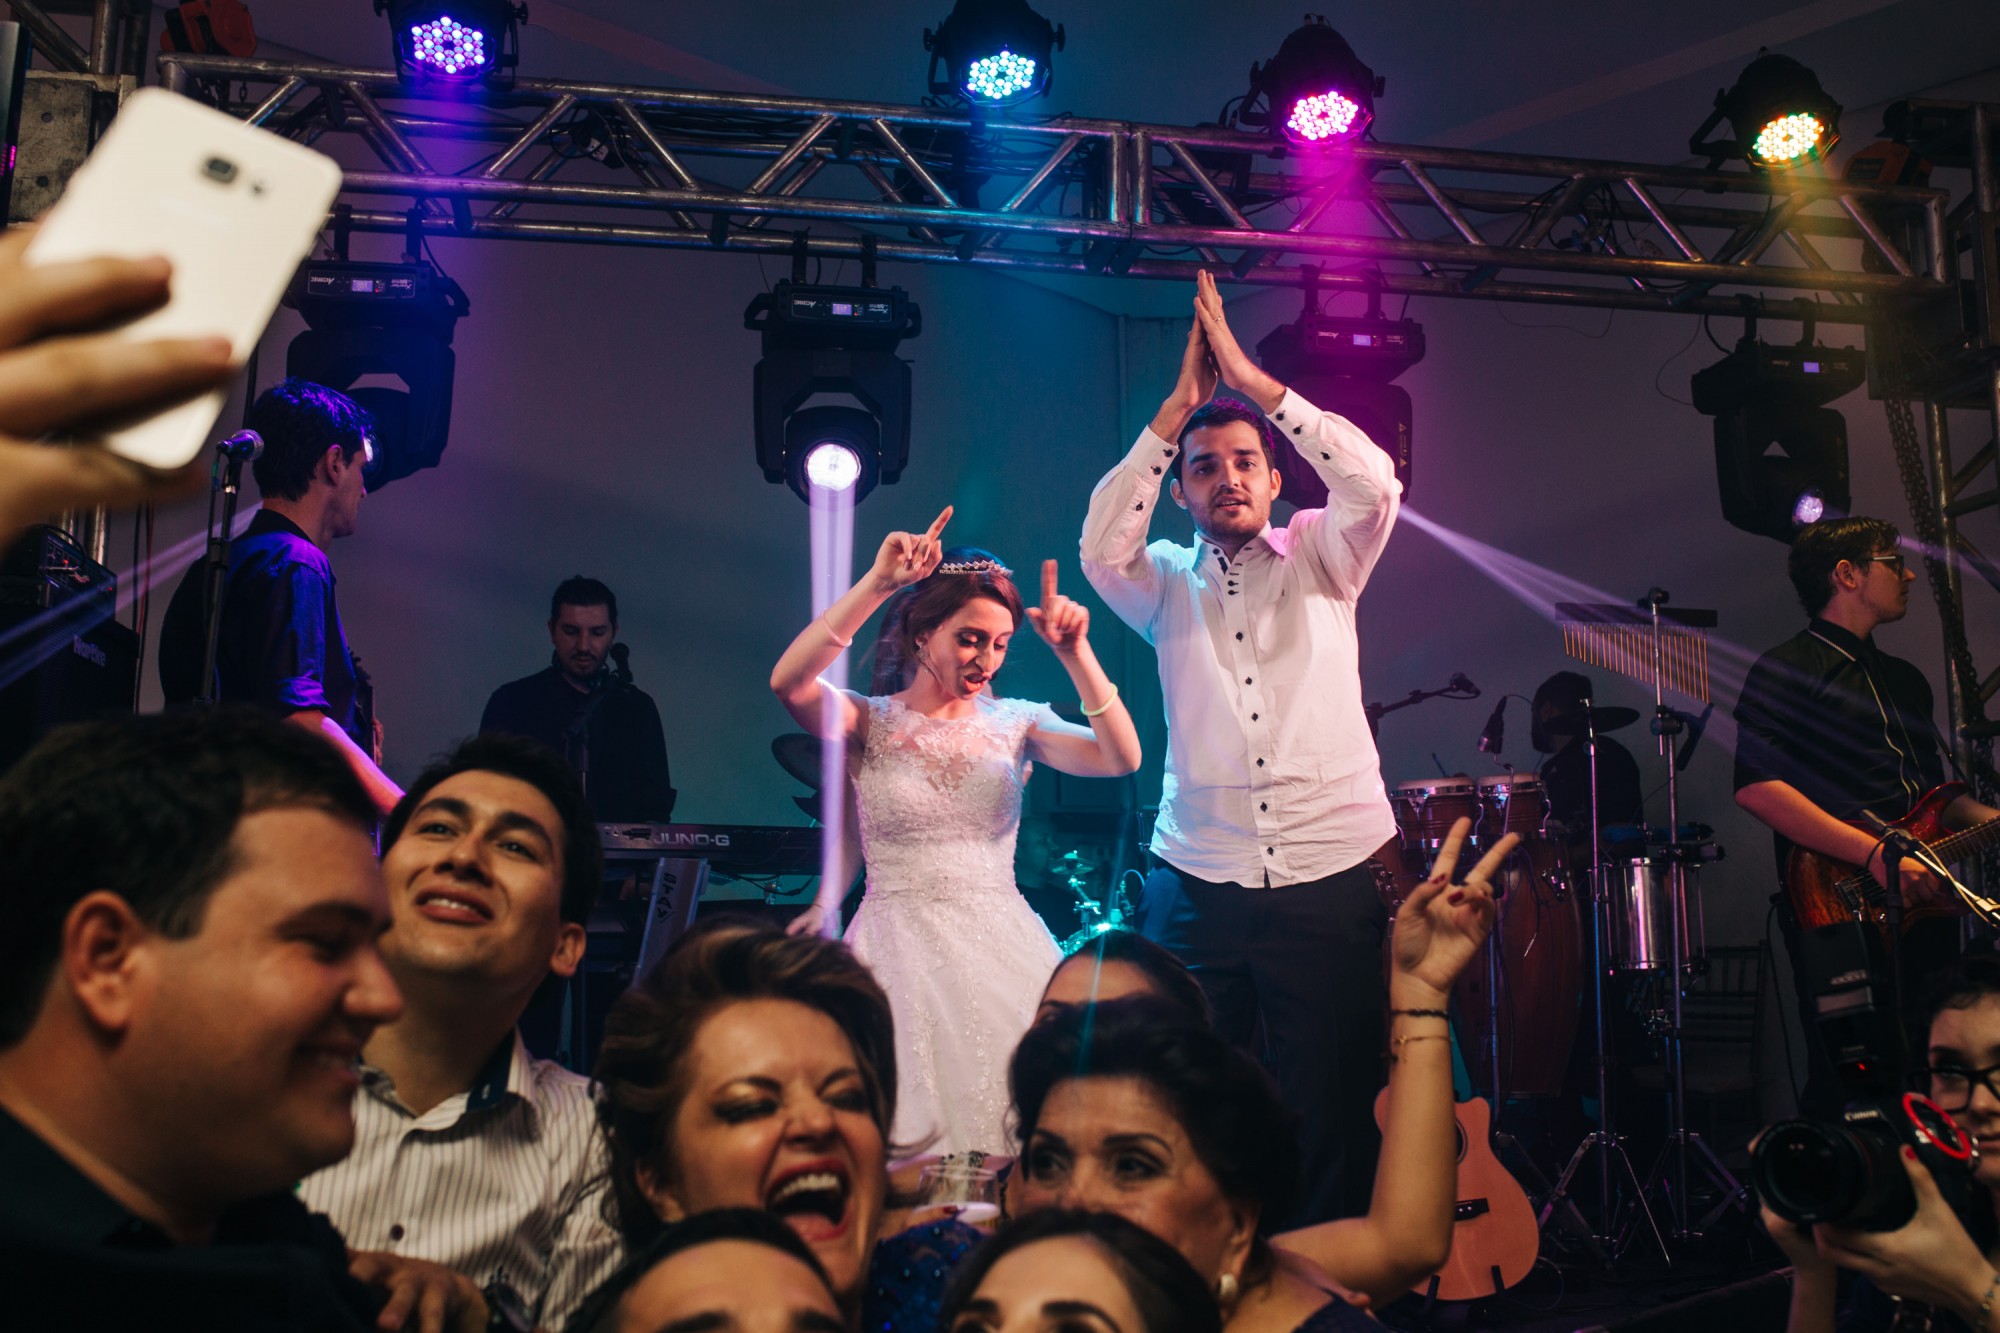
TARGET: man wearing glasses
(1829,726)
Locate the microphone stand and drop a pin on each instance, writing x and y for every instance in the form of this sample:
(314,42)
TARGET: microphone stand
(1603,1141)
(1457,688)
(227,476)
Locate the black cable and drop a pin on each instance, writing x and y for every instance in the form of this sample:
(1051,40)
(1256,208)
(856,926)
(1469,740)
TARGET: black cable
(1711,336)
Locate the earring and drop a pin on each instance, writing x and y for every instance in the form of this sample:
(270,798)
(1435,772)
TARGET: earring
(1225,1290)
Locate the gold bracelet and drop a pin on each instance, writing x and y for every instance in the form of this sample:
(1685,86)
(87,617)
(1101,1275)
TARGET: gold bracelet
(833,633)
(1111,699)
(1396,1046)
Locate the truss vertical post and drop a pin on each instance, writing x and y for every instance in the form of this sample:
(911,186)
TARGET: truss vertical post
(1960,705)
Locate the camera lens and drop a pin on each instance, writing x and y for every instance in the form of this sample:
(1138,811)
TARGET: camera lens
(220,169)
(1846,1174)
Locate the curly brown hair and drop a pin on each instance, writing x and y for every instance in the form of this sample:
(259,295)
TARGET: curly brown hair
(642,1068)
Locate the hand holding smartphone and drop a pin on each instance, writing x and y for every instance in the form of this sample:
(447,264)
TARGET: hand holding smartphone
(232,208)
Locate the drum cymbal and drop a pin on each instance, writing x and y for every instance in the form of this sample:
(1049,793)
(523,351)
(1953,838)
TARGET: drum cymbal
(798,754)
(1072,864)
(1610,718)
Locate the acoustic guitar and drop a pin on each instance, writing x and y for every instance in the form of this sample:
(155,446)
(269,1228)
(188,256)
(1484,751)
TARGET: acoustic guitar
(1824,891)
(1494,1237)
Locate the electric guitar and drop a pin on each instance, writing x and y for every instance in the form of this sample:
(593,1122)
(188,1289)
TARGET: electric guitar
(1823,891)
(1494,1237)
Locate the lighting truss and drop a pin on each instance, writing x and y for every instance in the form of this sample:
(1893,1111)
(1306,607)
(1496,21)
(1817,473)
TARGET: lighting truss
(632,165)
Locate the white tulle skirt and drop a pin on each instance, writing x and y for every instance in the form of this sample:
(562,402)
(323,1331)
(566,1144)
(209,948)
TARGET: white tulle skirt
(964,973)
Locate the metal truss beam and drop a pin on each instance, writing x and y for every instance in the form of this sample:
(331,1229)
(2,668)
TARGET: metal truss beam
(632,165)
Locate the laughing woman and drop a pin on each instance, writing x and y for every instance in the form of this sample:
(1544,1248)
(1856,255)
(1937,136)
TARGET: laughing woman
(753,1069)
(938,769)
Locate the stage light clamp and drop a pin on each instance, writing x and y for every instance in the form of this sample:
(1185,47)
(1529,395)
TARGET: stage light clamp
(337,293)
(800,315)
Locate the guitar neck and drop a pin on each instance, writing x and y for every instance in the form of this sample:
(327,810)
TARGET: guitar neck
(1950,849)
(1956,847)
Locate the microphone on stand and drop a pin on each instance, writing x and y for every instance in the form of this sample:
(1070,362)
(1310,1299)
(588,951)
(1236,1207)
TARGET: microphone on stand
(621,668)
(245,446)
(1496,729)
(1464,686)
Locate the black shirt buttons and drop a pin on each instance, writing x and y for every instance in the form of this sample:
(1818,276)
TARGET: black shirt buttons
(1253,717)
(1247,680)
(396,1231)
(1263,805)
(1239,636)
(1298,430)
(1281,416)
(1260,763)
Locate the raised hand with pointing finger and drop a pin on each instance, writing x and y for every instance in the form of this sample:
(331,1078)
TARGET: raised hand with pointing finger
(1062,623)
(906,557)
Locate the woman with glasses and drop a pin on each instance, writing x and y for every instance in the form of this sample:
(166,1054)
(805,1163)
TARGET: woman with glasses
(1934,1258)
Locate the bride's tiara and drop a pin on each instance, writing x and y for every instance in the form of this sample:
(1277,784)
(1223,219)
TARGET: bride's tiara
(974,567)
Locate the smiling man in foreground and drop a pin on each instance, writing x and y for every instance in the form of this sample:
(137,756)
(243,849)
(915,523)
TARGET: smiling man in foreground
(470,1154)
(188,913)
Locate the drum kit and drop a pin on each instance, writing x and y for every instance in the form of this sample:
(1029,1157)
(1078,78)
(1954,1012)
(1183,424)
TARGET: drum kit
(1584,905)
(1536,955)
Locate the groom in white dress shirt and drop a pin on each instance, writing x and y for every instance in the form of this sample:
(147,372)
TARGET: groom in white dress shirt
(1273,798)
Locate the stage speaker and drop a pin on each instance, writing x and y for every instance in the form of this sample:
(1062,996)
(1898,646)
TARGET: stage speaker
(63,658)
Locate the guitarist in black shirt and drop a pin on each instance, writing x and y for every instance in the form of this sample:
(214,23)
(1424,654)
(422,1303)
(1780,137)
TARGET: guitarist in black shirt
(1829,726)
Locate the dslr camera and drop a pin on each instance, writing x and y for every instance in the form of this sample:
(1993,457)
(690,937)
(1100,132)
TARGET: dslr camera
(1846,1170)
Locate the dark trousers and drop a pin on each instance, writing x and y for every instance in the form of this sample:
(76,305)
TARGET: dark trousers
(1295,976)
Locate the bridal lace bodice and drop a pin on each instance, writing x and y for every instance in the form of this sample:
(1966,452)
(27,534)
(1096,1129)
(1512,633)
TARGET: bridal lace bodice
(940,800)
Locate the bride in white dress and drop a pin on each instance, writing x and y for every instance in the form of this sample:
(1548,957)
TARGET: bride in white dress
(938,771)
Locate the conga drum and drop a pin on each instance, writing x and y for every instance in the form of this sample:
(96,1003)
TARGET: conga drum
(1512,803)
(1540,947)
(1425,812)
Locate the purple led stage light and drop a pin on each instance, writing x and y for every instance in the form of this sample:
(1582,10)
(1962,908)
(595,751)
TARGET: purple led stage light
(1324,116)
(444,46)
(1315,92)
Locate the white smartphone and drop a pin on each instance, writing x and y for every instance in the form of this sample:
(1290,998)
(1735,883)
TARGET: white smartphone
(234,208)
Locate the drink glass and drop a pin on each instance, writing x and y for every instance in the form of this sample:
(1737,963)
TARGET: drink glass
(973,1190)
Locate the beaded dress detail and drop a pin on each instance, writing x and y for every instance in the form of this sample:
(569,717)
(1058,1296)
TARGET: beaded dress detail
(959,951)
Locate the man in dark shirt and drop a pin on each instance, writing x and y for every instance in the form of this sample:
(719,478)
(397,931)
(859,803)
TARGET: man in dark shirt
(1829,725)
(589,711)
(281,646)
(188,912)
(1557,731)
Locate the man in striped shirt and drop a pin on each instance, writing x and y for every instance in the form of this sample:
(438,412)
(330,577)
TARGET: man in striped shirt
(469,1153)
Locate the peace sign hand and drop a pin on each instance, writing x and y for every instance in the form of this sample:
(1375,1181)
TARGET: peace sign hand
(907,557)
(1062,622)
(1441,925)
